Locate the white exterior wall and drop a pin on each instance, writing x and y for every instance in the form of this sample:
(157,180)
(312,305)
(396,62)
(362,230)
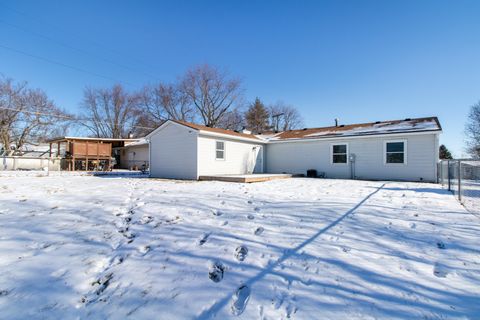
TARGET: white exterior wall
(240,157)
(128,158)
(173,152)
(299,156)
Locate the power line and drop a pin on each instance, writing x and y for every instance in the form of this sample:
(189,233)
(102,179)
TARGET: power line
(78,36)
(66,45)
(62,64)
(66,117)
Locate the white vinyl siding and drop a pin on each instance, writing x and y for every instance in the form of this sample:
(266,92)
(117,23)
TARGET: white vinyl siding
(239,157)
(134,155)
(174,152)
(299,156)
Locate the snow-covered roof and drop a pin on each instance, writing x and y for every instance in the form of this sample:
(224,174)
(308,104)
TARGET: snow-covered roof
(361,129)
(140,142)
(218,132)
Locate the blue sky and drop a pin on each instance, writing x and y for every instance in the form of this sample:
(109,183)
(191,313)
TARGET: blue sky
(355,60)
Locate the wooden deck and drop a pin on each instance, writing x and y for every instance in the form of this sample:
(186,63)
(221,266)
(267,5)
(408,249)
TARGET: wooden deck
(245,178)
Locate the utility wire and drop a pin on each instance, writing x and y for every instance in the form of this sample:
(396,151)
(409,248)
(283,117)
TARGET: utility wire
(66,117)
(77,35)
(85,52)
(62,64)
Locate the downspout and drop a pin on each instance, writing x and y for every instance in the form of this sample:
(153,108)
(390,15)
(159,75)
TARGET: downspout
(436,159)
(149,158)
(351,158)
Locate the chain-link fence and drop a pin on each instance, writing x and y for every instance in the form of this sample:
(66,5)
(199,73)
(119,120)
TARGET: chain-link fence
(462,177)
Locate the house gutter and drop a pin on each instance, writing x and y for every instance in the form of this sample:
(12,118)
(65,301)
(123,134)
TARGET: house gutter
(229,136)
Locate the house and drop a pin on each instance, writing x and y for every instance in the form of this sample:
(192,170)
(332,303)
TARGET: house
(383,150)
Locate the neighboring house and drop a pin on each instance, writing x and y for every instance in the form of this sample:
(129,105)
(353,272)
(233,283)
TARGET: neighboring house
(389,150)
(134,155)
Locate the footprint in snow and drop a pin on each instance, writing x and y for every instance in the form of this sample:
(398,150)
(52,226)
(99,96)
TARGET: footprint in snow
(289,310)
(440,270)
(203,239)
(259,231)
(144,249)
(118,260)
(257,209)
(215,272)
(101,284)
(250,217)
(240,300)
(440,245)
(241,253)
(217,213)
(129,235)
(146,219)
(346,249)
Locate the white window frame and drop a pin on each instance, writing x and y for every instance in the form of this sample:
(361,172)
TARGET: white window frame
(331,153)
(224,151)
(405,148)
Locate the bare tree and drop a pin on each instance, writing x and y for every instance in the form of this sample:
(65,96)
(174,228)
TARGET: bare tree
(162,102)
(26,115)
(212,92)
(110,113)
(285,117)
(472,131)
(232,120)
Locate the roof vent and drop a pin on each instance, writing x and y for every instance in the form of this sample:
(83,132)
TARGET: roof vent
(305,128)
(377,122)
(408,119)
(336,122)
(342,125)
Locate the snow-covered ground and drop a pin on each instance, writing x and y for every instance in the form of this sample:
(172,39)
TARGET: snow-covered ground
(114,248)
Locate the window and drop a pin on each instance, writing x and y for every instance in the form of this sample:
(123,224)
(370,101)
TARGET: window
(339,153)
(395,152)
(219,150)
